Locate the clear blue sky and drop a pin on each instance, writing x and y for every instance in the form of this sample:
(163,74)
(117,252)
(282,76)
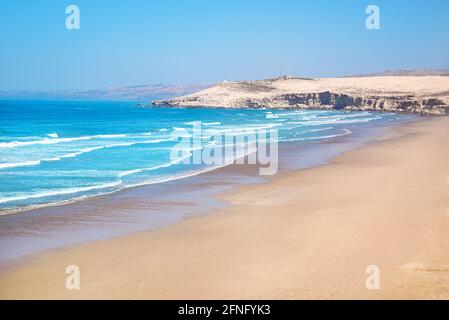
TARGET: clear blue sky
(131,42)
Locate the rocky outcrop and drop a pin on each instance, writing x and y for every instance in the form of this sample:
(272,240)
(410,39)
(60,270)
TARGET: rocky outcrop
(281,94)
(329,100)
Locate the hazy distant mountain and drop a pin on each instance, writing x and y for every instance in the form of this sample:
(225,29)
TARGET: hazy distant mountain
(410,72)
(135,93)
(160,91)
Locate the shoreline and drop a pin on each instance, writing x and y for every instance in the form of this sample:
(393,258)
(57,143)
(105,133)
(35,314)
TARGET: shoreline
(93,218)
(272,243)
(7,211)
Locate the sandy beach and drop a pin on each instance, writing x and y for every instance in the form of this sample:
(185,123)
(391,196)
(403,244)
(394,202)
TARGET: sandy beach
(306,234)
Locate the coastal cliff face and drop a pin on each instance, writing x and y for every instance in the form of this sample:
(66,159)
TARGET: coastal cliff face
(422,95)
(330,100)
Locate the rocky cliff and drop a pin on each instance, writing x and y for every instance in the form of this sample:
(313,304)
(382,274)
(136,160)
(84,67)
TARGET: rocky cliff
(422,95)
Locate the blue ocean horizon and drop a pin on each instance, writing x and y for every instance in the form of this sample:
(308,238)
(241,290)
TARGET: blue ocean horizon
(60,151)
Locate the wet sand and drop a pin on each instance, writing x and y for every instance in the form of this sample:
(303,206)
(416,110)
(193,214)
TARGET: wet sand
(155,206)
(305,234)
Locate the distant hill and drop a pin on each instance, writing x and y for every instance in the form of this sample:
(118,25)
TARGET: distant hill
(133,93)
(403,73)
(413,94)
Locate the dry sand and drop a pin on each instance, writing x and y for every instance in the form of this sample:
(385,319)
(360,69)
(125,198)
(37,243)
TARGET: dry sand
(306,234)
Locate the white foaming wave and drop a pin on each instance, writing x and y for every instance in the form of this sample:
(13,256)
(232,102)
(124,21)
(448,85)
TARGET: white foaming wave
(227,161)
(216,123)
(121,135)
(294,113)
(333,121)
(37,162)
(14,144)
(127,144)
(344,115)
(19,164)
(318,130)
(234,130)
(165,165)
(188,174)
(249,128)
(76,154)
(359,120)
(112,185)
(304,115)
(358,114)
(60,192)
(129,172)
(345,133)
(54,139)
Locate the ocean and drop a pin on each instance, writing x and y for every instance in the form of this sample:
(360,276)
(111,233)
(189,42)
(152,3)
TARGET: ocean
(53,152)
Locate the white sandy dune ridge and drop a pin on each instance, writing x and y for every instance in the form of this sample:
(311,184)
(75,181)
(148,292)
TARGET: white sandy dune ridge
(423,95)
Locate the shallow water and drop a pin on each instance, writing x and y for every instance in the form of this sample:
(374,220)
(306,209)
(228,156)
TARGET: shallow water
(307,139)
(58,151)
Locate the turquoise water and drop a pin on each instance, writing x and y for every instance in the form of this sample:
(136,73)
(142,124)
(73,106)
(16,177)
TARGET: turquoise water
(57,151)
